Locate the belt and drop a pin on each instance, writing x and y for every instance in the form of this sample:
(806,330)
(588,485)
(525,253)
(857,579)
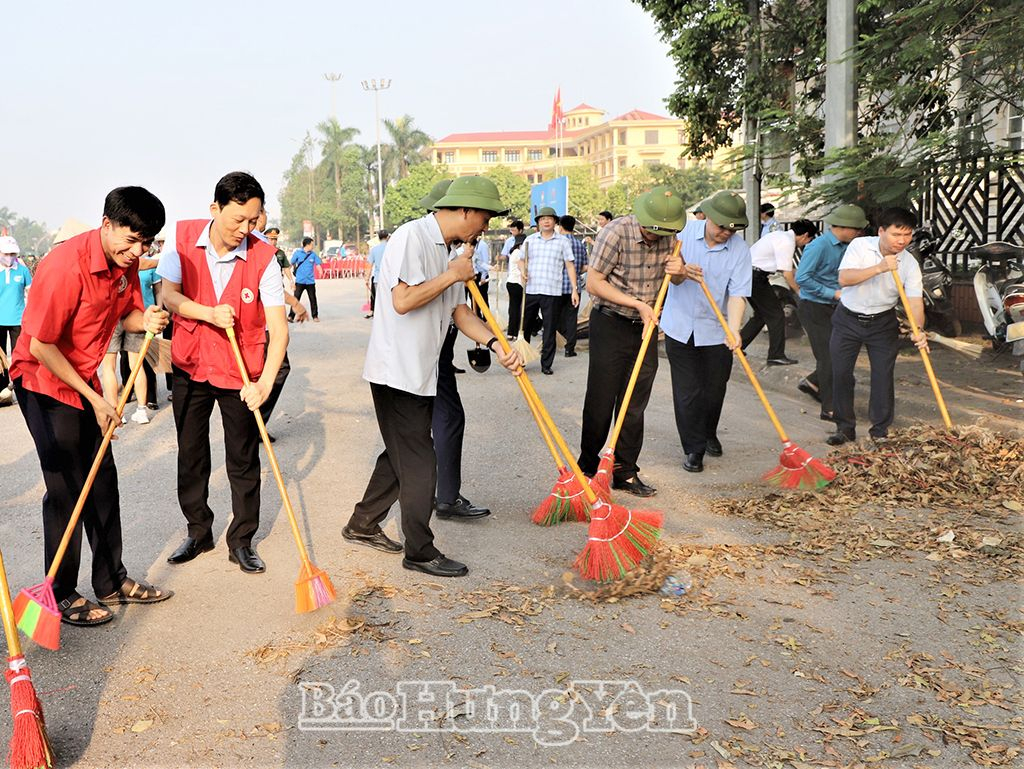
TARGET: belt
(867,317)
(764,272)
(612,314)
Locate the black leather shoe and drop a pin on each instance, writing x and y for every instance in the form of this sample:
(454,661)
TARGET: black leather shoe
(634,486)
(460,508)
(570,353)
(838,438)
(378,541)
(694,463)
(458,370)
(438,567)
(270,437)
(546,371)
(714,447)
(806,387)
(783,361)
(190,548)
(248,560)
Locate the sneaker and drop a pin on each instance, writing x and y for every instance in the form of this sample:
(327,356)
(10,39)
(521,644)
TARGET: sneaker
(140,417)
(6,397)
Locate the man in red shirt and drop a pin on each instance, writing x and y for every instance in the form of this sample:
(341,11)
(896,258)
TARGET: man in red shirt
(219,275)
(80,291)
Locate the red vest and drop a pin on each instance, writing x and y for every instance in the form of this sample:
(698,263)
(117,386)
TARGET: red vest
(200,349)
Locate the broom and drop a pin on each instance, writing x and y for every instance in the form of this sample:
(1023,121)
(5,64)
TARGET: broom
(602,480)
(925,358)
(796,468)
(526,350)
(35,608)
(313,588)
(30,747)
(618,538)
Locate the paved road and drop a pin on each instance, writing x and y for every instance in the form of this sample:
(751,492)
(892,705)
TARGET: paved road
(212,677)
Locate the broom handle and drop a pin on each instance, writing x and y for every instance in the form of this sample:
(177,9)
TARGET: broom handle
(746,365)
(97,461)
(620,418)
(7,609)
(531,392)
(925,358)
(540,424)
(270,452)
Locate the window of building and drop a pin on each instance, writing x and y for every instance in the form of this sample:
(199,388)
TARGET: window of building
(622,162)
(489,156)
(540,178)
(1015,128)
(651,136)
(449,157)
(511,156)
(651,161)
(535,154)
(529,178)
(438,157)
(622,136)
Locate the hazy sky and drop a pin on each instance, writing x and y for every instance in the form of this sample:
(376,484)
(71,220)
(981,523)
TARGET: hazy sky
(172,95)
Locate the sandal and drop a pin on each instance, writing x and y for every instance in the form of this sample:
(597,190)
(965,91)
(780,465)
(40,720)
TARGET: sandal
(136,592)
(74,613)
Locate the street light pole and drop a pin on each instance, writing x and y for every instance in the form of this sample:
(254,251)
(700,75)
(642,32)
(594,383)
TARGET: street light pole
(333,78)
(377,86)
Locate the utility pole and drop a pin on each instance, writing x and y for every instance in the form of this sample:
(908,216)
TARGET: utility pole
(377,86)
(333,78)
(751,137)
(840,76)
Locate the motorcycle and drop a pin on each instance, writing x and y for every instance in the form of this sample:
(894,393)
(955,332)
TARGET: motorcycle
(999,288)
(937,283)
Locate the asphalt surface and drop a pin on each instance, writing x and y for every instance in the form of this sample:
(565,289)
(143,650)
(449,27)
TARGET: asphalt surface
(221,674)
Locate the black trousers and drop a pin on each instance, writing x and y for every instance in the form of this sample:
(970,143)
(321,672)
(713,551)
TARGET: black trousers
(373,295)
(193,406)
(168,334)
(300,289)
(550,309)
(515,308)
(484,289)
(614,345)
(880,335)
(448,425)
(816,318)
(699,379)
(147,371)
(66,440)
(767,312)
(12,333)
(568,323)
(406,471)
(275,392)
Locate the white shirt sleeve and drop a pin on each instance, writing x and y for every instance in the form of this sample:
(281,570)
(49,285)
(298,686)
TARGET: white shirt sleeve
(408,265)
(857,255)
(785,247)
(910,274)
(272,286)
(567,250)
(169,266)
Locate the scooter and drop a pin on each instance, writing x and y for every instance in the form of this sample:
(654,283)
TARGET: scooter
(999,288)
(937,282)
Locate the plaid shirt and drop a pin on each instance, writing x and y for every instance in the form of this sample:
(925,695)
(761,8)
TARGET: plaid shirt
(545,263)
(631,265)
(579,253)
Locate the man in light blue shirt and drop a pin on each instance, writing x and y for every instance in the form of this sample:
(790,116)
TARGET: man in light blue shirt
(768,221)
(699,354)
(305,260)
(373,268)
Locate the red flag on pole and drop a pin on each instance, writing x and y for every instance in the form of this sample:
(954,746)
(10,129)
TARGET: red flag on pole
(556,109)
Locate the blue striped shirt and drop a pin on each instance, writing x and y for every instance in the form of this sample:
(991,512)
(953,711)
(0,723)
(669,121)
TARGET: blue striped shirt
(545,263)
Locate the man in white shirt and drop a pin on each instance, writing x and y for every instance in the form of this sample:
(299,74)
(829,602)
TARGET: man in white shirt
(774,253)
(866,316)
(419,293)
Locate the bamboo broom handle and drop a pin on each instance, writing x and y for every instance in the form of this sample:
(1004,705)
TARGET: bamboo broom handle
(270,452)
(10,625)
(746,365)
(925,358)
(531,391)
(97,461)
(540,424)
(620,419)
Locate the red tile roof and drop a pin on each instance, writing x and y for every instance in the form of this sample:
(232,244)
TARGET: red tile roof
(639,114)
(584,106)
(497,136)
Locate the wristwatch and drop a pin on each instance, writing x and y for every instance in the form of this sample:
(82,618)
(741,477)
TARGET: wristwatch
(490,343)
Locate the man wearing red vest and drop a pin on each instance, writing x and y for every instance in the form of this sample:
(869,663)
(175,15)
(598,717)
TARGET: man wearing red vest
(81,290)
(220,275)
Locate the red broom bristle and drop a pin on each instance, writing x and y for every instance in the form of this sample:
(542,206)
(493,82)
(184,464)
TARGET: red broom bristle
(618,539)
(798,469)
(567,501)
(601,483)
(30,748)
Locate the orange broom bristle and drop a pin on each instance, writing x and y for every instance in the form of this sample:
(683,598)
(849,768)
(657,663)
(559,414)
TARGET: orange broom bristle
(797,469)
(618,539)
(566,502)
(601,483)
(313,589)
(30,747)
(36,614)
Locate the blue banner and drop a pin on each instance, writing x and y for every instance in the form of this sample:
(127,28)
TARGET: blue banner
(553,193)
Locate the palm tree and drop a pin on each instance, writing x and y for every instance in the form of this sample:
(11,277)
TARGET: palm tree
(408,145)
(333,141)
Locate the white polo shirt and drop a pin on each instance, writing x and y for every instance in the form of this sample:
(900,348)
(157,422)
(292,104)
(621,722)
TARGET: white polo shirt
(404,349)
(774,251)
(879,293)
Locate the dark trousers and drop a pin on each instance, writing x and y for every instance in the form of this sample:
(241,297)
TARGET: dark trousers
(275,392)
(373,295)
(699,379)
(168,334)
(66,440)
(816,318)
(448,424)
(550,308)
(484,288)
(614,345)
(767,312)
(406,471)
(568,323)
(880,335)
(147,371)
(12,333)
(300,289)
(515,308)
(193,406)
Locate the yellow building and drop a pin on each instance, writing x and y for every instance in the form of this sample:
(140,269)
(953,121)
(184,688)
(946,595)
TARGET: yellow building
(609,146)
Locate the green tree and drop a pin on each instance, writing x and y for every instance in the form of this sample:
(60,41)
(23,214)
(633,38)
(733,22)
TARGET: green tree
(402,201)
(513,190)
(692,185)
(632,182)
(34,238)
(334,141)
(408,147)
(585,196)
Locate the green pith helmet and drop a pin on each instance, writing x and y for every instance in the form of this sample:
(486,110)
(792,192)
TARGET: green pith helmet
(726,209)
(546,211)
(660,211)
(847,215)
(473,192)
(436,193)
(698,209)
